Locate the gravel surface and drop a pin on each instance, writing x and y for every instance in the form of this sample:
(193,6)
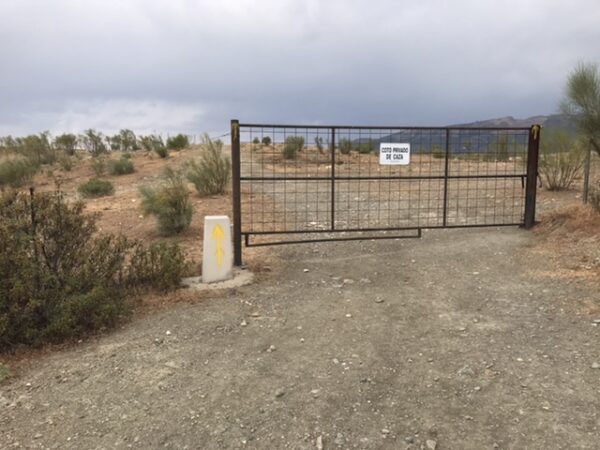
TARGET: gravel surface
(453,341)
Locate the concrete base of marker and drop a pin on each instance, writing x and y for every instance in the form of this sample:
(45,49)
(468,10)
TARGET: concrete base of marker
(240,277)
(217,254)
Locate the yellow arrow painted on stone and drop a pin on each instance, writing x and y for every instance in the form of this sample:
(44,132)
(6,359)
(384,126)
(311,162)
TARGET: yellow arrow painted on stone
(218,235)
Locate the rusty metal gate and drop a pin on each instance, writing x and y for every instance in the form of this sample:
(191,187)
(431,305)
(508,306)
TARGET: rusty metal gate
(294,183)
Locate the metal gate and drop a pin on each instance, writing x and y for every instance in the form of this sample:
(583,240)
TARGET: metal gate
(291,182)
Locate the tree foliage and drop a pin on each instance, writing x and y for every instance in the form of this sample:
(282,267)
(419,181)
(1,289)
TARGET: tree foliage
(582,101)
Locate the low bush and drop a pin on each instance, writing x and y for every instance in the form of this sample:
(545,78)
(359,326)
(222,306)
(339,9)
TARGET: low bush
(256,141)
(16,172)
(266,140)
(96,188)
(178,142)
(345,146)
(93,142)
(210,174)
(66,143)
(292,146)
(66,162)
(169,203)
(121,166)
(437,152)
(98,165)
(366,147)
(561,160)
(160,266)
(59,279)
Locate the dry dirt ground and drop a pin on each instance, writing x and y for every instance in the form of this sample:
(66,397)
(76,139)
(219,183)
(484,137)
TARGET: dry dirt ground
(460,340)
(464,339)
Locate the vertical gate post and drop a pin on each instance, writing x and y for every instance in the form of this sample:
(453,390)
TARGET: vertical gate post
(533,152)
(586,174)
(333,179)
(446,167)
(236,192)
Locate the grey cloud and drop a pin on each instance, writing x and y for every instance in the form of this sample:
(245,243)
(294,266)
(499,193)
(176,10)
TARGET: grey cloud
(129,63)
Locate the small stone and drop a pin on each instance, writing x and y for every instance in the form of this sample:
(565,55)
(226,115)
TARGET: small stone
(349,315)
(244,323)
(339,439)
(378,300)
(336,361)
(385,431)
(365,280)
(596,320)
(306,270)
(348,281)
(477,388)
(302,340)
(409,439)
(168,333)
(595,365)
(319,443)
(37,436)
(462,329)
(315,392)
(431,444)
(271,349)
(279,393)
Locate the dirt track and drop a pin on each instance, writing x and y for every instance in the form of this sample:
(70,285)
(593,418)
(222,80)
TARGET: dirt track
(456,339)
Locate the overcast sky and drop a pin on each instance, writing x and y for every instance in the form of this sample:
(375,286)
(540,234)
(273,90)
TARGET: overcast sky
(192,65)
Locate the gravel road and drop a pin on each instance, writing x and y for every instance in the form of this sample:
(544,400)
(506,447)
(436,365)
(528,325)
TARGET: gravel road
(454,341)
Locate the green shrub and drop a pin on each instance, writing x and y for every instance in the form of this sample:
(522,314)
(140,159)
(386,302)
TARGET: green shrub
(96,188)
(178,142)
(437,152)
(126,155)
(345,146)
(93,142)
(59,279)
(150,142)
(66,162)
(266,140)
(121,166)
(160,266)
(256,141)
(292,146)
(128,140)
(36,148)
(561,160)
(66,143)
(169,203)
(210,174)
(366,147)
(16,172)
(161,151)
(98,165)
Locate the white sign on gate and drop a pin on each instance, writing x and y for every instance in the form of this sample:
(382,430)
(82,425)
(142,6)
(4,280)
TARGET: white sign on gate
(394,154)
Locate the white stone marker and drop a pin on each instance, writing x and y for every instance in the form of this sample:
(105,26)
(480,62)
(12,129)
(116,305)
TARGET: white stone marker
(217,258)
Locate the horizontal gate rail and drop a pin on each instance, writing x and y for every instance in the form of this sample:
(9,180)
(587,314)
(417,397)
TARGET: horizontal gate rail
(333,181)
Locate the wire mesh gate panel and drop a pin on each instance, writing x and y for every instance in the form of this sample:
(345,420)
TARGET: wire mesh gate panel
(291,182)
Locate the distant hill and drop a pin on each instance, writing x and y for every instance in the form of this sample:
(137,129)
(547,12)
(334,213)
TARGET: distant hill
(476,141)
(550,121)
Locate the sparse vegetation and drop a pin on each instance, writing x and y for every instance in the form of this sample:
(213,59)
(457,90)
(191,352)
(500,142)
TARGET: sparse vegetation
(59,279)
(93,142)
(66,162)
(96,187)
(319,144)
(256,141)
(266,140)
(365,147)
(98,165)
(437,152)
(345,146)
(66,143)
(16,172)
(582,102)
(561,160)
(178,142)
(292,146)
(121,166)
(169,203)
(210,174)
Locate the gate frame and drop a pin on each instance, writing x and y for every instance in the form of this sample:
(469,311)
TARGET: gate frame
(530,186)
